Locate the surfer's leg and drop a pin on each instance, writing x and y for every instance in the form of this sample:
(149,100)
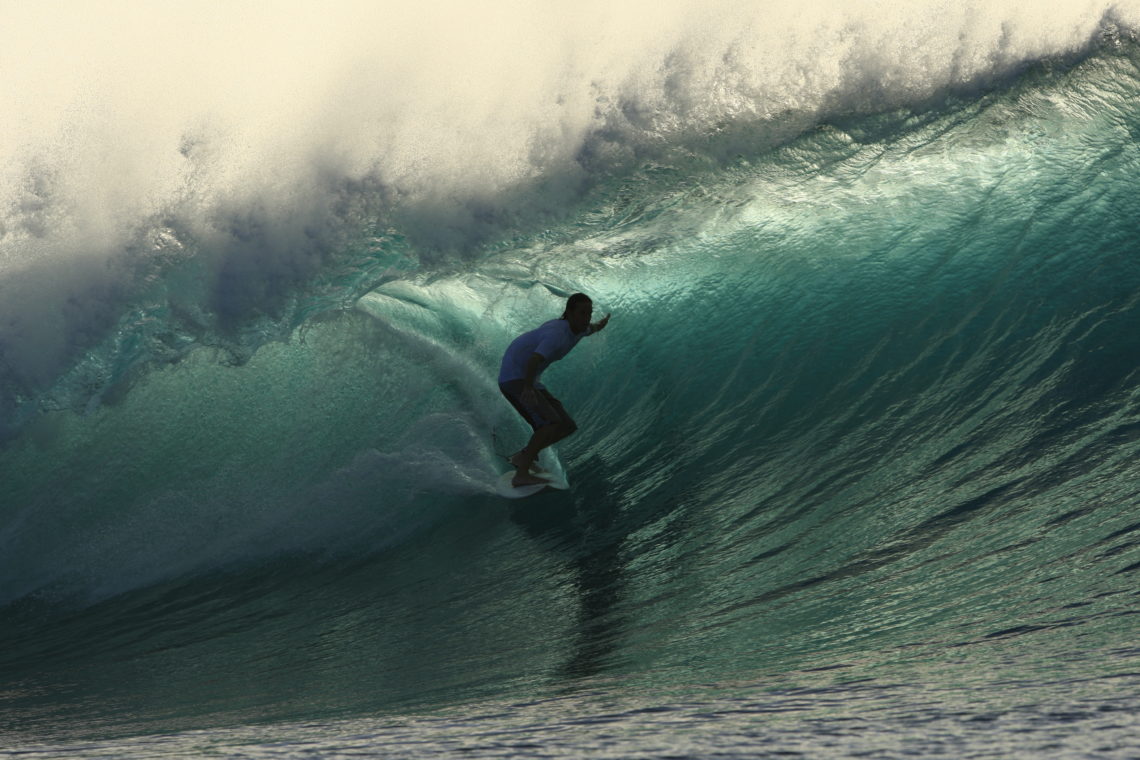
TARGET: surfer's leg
(559,425)
(551,424)
(517,456)
(539,440)
(562,423)
(546,421)
(565,424)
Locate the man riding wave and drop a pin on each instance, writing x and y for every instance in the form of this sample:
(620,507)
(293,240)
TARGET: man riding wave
(526,358)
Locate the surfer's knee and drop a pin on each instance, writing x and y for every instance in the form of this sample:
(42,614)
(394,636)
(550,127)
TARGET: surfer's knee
(569,427)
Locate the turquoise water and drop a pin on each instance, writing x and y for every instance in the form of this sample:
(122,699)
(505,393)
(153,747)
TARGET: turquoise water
(857,461)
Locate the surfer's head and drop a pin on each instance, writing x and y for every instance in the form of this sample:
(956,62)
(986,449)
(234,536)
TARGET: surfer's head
(579,309)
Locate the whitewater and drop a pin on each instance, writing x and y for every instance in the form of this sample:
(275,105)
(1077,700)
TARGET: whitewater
(856,471)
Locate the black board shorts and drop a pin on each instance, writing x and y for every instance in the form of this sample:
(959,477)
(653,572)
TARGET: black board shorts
(548,410)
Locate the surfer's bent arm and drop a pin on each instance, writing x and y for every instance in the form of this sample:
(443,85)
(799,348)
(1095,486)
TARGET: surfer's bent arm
(599,324)
(533,365)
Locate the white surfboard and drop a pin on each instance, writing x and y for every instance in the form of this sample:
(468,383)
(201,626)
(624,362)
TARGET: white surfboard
(504,487)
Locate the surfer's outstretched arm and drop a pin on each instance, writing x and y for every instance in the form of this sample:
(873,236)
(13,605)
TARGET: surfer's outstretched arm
(599,324)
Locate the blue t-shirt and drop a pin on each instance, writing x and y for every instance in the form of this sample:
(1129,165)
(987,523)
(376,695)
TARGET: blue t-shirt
(552,340)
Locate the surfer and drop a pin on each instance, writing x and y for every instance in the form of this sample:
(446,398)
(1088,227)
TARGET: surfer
(523,363)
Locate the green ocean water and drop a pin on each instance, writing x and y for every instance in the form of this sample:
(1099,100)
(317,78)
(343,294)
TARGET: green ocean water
(856,468)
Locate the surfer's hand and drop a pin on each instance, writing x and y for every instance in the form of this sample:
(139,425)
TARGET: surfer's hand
(600,324)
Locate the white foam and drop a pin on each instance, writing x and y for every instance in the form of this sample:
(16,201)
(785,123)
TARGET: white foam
(128,108)
(244,126)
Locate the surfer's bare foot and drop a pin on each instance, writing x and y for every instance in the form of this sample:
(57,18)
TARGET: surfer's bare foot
(526,479)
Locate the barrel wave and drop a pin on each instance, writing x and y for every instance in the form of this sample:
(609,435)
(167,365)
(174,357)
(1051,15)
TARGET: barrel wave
(868,406)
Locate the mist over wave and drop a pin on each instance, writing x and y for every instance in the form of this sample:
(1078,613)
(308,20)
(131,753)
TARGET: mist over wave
(194,175)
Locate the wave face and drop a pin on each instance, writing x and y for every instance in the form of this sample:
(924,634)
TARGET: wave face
(870,394)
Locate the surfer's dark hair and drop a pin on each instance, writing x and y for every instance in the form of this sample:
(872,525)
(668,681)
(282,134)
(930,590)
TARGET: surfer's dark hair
(574,300)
